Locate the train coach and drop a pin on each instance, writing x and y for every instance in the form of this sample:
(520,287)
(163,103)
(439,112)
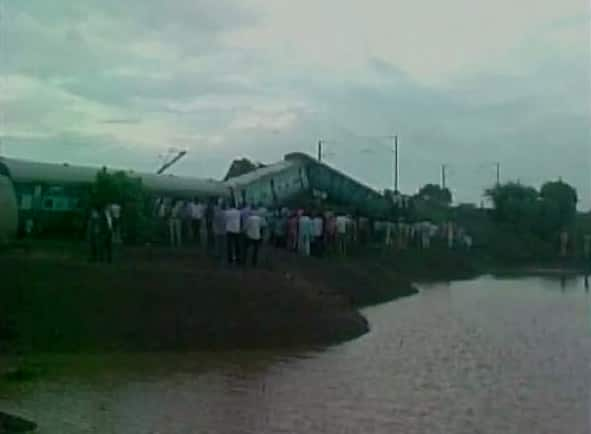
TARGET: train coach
(53,194)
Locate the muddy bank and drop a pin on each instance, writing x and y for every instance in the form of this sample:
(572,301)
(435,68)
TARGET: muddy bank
(13,425)
(163,301)
(361,279)
(434,264)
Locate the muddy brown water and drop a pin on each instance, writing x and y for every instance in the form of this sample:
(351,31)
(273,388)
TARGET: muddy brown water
(482,356)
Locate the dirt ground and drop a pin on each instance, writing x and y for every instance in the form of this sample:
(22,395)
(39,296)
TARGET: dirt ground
(153,299)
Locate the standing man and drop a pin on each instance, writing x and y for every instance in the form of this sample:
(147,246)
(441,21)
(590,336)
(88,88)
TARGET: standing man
(253,236)
(245,213)
(304,234)
(233,234)
(115,209)
(388,230)
(292,232)
(164,209)
(29,228)
(341,227)
(425,234)
(318,232)
(330,232)
(266,222)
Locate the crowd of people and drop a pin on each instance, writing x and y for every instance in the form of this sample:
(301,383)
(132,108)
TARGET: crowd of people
(237,233)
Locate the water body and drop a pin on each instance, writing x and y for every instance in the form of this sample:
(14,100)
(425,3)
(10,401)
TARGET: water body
(482,356)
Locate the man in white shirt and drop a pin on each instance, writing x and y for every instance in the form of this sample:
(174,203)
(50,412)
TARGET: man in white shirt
(342,223)
(115,210)
(318,233)
(105,246)
(425,234)
(468,242)
(254,235)
(304,234)
(233,234)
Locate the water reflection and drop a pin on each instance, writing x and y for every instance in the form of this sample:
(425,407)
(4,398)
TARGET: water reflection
(488,355)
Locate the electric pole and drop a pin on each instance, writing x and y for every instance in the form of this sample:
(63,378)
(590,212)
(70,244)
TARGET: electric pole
(321,153)
(396,164)
(498,173)
(443,177)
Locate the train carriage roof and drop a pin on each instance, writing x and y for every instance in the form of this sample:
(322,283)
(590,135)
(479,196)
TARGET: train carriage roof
(23,171)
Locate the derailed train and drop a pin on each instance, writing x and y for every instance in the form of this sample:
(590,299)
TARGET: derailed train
(54,192)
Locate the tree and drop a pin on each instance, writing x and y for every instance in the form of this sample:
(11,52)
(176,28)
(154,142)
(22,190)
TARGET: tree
(115,187)
(515,203)
(435,193)
(531,219)
(562,199)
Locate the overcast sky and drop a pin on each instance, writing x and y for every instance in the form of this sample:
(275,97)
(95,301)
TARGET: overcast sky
(462,82)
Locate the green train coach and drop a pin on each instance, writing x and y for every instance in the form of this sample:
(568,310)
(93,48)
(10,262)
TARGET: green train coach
(55,196)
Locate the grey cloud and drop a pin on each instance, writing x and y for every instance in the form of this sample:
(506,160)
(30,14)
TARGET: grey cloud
(70,146)
(122,121)
(65,39)
(122,90)
(525,119)
(142,15)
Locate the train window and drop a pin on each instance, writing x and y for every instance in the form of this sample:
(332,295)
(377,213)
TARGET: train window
(60,204)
